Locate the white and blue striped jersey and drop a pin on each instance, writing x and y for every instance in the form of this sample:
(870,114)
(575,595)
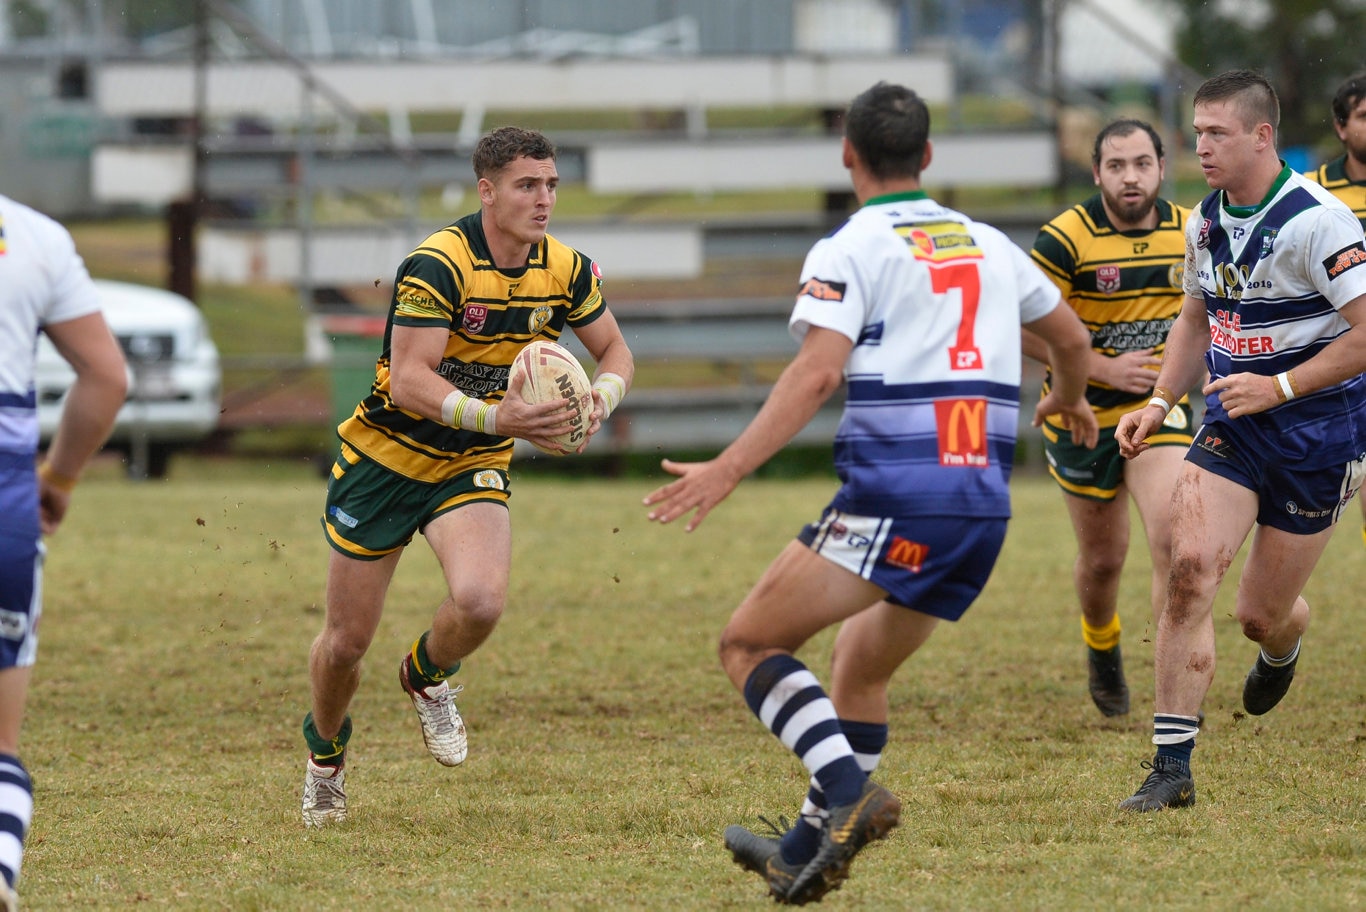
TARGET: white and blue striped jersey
(42,280)
(1273,279)
(933,303)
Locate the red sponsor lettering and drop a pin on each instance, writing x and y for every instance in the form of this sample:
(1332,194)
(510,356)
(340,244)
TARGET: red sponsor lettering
(1241,345)
(1345,259)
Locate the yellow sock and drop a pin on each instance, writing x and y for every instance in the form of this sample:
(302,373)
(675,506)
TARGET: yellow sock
(1102,638)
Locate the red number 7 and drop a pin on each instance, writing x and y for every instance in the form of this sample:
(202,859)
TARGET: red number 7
(964,355)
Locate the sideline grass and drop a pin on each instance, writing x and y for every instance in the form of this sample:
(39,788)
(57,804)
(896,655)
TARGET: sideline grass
(607,749)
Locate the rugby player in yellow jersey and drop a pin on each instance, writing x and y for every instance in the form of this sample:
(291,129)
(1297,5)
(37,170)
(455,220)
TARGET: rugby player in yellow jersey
(1117,257)
(1345,176)
(428,450)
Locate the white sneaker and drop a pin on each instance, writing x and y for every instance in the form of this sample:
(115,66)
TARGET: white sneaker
(443,730)
(324,795)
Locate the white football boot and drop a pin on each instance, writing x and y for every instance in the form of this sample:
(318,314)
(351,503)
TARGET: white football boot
(443,730)
(324,794)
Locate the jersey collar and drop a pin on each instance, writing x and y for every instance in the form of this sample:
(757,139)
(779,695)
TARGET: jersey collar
(907,196)
(1245,211)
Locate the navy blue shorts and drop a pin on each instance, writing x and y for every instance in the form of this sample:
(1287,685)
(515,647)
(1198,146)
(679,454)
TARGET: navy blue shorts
(936,565)
(21,563)
(1298,501)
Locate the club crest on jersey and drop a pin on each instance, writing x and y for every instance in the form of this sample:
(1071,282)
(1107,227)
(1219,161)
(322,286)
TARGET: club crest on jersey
(1202,239)
(1107,279)
(906,554)
(1347,258)
(538,319)
(475,317)
(822,289)
(1268,240)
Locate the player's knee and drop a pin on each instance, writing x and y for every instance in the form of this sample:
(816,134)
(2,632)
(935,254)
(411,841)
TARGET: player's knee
(735,649)
(479,607)
(344,648)
(1102,563)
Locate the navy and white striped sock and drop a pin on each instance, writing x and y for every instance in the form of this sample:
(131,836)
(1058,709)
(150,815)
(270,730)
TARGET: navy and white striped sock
(787,698)
(1175,736)
(16,812)
(799,844)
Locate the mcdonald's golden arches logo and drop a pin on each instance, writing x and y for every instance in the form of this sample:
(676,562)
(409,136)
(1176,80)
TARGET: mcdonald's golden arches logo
(962,427)
(906,554)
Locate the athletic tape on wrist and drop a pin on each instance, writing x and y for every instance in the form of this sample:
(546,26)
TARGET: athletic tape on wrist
(612,388)
(1285,387)
(1161,403)
(54,479)
(459,410)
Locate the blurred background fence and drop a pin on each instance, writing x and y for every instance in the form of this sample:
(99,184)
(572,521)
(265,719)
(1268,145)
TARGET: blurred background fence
(307,145)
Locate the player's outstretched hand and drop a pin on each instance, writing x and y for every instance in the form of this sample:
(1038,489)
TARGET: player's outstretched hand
(1076,416)
(700,486)
(540,423)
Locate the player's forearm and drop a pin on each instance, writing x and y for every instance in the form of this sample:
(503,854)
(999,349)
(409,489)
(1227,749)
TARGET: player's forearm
(87,418)
(794,401)
(1342,358)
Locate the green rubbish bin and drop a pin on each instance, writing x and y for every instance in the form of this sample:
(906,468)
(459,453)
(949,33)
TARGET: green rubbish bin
(356,341)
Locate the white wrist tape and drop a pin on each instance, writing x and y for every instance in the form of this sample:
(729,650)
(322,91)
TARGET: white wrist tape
(612,388)
(459,410)
(1161,403)
(1285,386)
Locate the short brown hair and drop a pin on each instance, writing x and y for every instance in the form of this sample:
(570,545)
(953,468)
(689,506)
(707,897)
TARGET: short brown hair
(501,147)
(1250,91)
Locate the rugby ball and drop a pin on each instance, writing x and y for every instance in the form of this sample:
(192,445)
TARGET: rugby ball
(551,373)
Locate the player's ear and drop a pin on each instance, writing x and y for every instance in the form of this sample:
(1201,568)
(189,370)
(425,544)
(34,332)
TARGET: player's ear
(847,153)
(929,154)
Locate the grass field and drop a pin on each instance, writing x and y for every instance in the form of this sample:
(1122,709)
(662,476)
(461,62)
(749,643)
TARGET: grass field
(607,749)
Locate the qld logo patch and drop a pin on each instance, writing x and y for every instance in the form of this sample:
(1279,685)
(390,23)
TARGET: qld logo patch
(476,315)
(1107,279)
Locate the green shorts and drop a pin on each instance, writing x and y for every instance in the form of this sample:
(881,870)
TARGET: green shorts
(1098,472)
(372,511)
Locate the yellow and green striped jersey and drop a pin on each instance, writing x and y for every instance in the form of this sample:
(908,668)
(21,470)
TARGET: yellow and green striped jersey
(1332,177)
(1124,285)
(451,281)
